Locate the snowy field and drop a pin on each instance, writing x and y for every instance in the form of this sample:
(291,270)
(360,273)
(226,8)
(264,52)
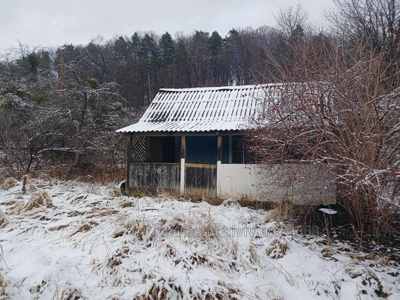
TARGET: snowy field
(69,240)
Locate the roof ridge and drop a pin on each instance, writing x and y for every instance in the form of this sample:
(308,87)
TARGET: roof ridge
(213,88)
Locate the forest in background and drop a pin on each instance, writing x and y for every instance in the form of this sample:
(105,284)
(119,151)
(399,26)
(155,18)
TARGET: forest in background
(144,62)
(64,104)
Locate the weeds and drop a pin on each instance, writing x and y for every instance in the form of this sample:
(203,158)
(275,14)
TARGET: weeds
(38,199)
(138,228)
(69,294)
(277,249)
(8,183)
(84,228)
(3,287)
(208,231)
(126,204)
(3,219)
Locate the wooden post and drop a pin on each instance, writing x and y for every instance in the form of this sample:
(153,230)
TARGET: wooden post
(128,160)
(219,148)
(219,159)
(230,149)
(183,157)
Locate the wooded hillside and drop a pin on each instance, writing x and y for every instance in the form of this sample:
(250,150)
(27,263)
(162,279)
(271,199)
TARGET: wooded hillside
(65,103)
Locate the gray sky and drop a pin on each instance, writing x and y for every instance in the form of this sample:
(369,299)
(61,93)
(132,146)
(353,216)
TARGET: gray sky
(49,23)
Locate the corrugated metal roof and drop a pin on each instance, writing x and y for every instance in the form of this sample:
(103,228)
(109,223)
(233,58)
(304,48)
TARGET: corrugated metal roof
(204,109)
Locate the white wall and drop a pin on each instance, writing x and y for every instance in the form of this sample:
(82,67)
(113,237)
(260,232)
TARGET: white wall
(298,183)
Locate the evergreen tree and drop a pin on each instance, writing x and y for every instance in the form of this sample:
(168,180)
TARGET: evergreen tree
(233,55)
(167,49)
(200,55)
(150,54)
(183,65)
(215,45)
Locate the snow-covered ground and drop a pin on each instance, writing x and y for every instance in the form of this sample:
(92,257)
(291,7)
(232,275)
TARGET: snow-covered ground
(86,242)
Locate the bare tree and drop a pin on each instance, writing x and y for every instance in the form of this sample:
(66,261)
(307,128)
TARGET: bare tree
(341,114)
(291,20)
(40,124)
(375,23)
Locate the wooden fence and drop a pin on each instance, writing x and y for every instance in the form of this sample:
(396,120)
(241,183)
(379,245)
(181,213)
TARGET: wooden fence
(201,180)
(154,177)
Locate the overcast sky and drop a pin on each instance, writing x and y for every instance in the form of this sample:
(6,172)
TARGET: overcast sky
(49,23)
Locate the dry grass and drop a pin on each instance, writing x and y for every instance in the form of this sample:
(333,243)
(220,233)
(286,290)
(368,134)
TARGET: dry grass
(137,227)
(253,254)
(116,259)
(3,287)
(8,183)
(164,290)
(84,228)
(176,224)
(103,175)
(127,203)
(101,212)
(286,209)
(116,192)
(214,201)
(245,201)
(3,219)
(158,291)
(38,199)
(26,180)
(68,294)
(277,249)
(58,227)
(208,230)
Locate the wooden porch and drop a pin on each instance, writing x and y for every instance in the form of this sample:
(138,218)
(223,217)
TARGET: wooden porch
(200,180)
(159,165)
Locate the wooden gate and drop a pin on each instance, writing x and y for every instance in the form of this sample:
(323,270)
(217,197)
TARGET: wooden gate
(201,180)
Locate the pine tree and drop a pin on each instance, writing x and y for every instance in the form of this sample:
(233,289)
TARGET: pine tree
(183,65)
(167,49)
(150,55)
(233,55)
(215,45)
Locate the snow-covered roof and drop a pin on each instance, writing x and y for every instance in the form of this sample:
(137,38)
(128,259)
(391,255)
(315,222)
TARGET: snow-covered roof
(204,109)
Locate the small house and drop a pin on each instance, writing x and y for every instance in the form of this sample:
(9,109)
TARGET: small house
(191,141)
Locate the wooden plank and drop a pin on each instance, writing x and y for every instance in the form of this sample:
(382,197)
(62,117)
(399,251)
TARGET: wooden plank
(200,165)
(182,165)
(201,180)
(154,177)
(219,148)
(183,146)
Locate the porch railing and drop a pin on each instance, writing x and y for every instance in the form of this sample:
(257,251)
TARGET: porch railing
(154,177)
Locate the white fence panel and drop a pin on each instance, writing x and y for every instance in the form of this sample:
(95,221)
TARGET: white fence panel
(299,183)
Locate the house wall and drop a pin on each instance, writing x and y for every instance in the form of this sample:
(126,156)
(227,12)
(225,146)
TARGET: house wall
(299,183)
